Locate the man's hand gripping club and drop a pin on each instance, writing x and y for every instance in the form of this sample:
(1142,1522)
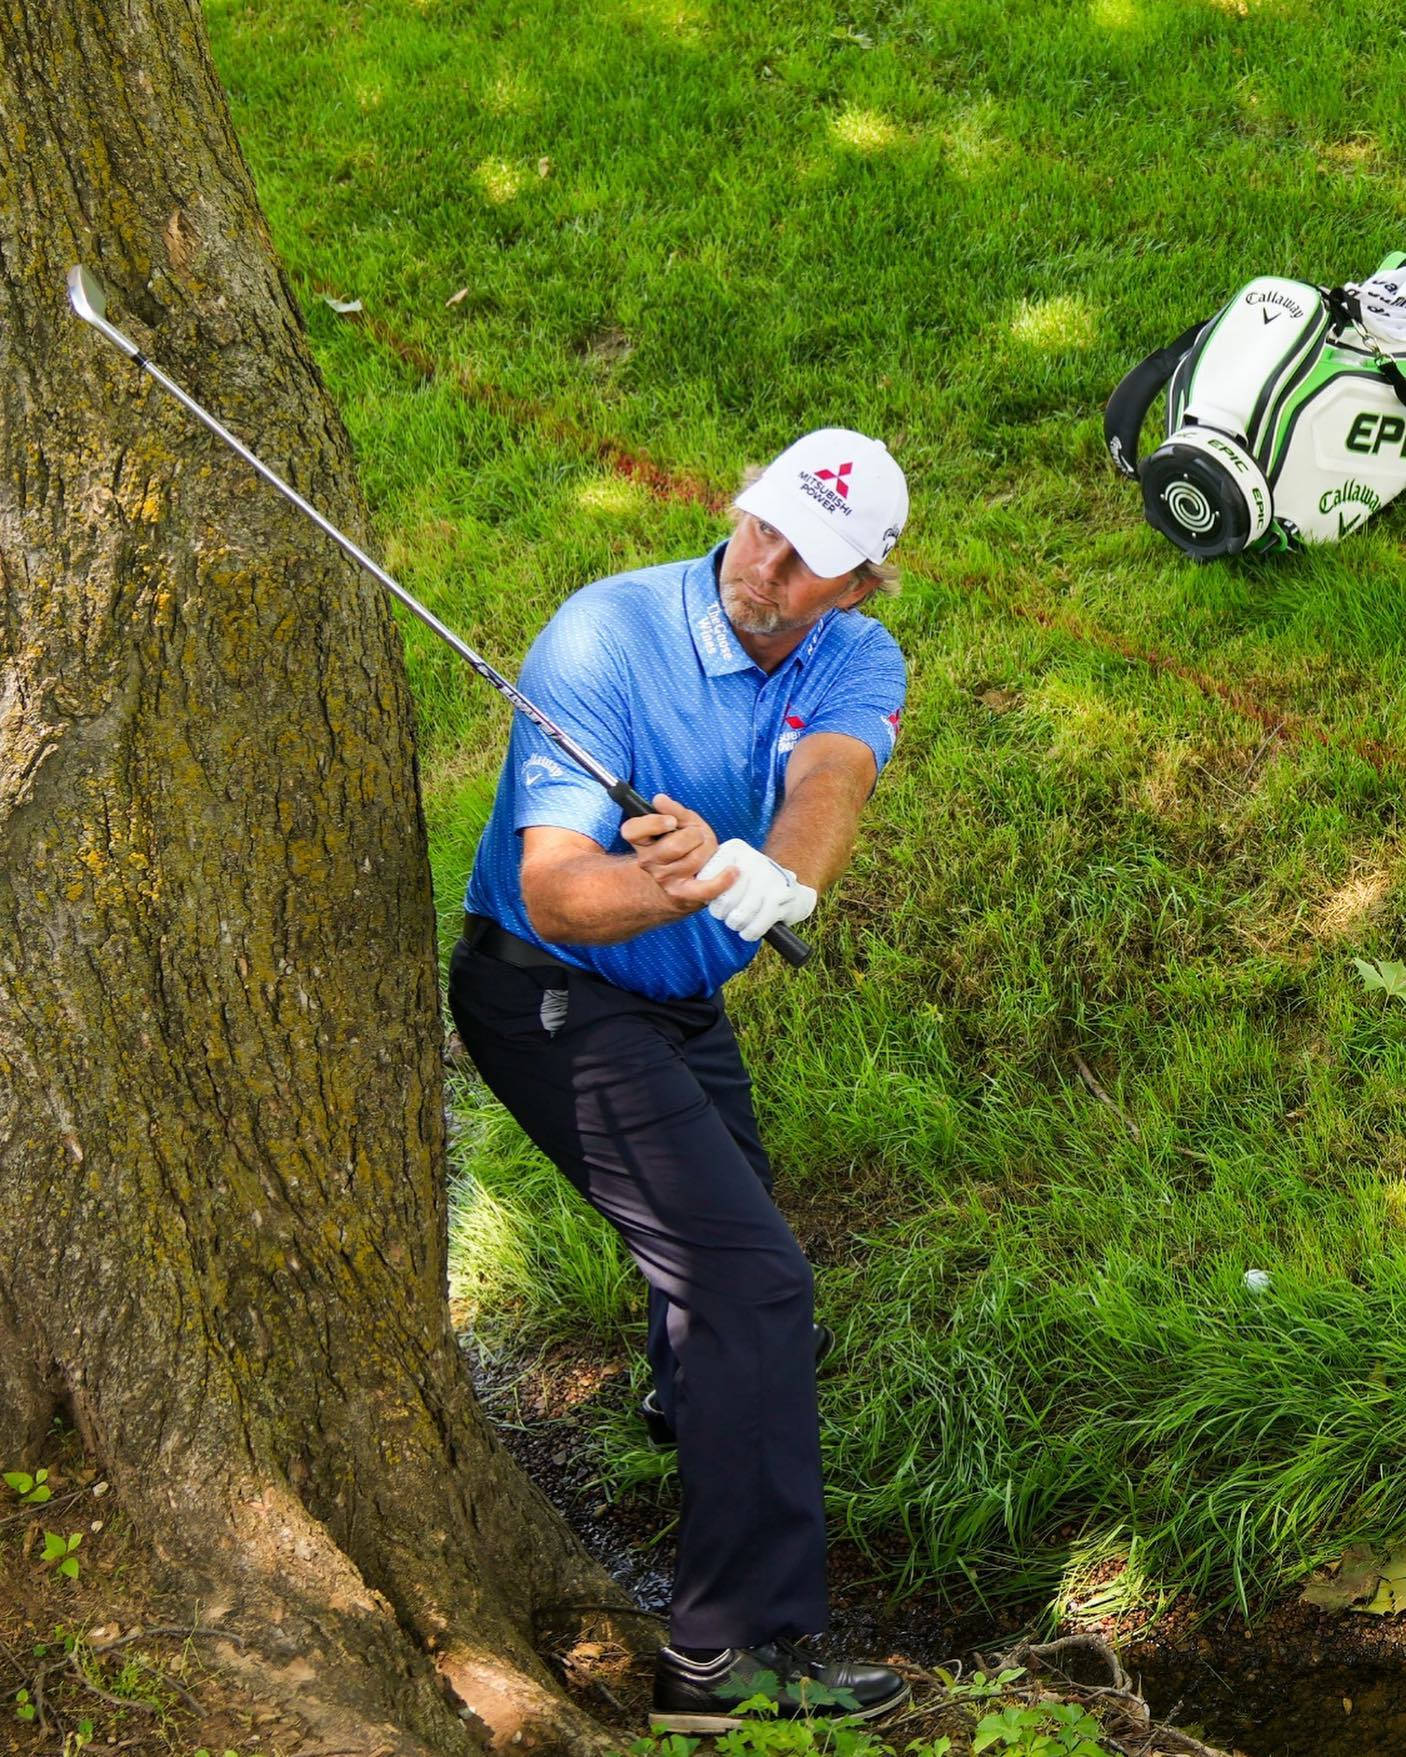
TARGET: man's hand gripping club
(742,887)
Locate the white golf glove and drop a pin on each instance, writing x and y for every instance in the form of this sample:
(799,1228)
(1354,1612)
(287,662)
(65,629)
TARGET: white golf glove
(1383,300)
(762,894)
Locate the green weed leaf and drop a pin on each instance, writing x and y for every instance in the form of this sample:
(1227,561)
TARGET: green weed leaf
(762,1701)
(1390,978)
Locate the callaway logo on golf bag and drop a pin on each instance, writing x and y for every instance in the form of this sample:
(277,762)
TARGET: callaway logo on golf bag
(1286,421)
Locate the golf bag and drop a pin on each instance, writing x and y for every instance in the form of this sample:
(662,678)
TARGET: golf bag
(1286,417)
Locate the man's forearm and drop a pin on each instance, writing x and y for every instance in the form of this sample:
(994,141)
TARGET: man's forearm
(815,830)
(596,900)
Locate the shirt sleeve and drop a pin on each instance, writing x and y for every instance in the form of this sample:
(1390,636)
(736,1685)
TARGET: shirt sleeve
(865,699)
(573,674)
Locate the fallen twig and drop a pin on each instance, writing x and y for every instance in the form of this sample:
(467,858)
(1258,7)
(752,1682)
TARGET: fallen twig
(1168,1742)
(71,1660)
(107,1696)
(184,1631)
(1086,1075)
(345,1751)
(55,1505)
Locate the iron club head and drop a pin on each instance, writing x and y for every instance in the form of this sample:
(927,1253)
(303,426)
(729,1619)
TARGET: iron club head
(85,293)
(89,301)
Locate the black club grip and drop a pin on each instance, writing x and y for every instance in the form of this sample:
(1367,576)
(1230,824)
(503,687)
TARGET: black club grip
(790,945)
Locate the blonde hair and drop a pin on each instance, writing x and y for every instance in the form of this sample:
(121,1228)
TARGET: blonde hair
(879,576)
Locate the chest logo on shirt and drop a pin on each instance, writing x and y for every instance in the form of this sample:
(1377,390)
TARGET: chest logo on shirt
(789,739)
(892,721)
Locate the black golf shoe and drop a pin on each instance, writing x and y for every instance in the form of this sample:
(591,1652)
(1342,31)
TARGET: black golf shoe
(702,1696)
(662,1436)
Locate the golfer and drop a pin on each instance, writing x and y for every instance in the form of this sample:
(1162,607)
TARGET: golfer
(586,988)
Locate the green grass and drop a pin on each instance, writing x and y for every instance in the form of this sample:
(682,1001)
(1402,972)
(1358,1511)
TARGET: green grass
(695,231)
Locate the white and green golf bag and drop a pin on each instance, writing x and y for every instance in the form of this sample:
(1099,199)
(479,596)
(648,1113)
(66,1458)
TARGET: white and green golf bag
(1286,417)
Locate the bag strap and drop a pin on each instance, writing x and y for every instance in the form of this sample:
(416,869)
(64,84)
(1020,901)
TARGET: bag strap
(1128,406)
(1344,309)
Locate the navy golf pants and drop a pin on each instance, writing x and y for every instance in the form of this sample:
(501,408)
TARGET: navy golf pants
(646,1107)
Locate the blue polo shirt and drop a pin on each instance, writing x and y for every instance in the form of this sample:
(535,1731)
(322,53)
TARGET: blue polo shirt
(644,671)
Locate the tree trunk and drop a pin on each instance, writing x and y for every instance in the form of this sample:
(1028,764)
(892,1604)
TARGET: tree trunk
(222,1212)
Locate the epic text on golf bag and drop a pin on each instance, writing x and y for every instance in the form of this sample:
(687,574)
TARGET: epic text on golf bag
(1286,417)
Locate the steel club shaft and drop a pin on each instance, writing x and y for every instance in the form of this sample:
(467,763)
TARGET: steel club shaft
(89,301)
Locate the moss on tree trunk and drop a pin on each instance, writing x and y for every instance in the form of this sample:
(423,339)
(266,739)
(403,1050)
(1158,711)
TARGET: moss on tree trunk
(222,1217)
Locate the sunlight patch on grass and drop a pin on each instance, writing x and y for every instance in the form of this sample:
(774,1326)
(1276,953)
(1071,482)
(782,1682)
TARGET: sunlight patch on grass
(1394,1202)
(1086,727)
(669,17)
(1170,784)
(498,180)
(1054,325)
(865,130)
(1102,1578)
(369,94)
(509,93)
(1354,904)
(430,539)
(1360,157)
(611,494)
(971,142)
(1113,14)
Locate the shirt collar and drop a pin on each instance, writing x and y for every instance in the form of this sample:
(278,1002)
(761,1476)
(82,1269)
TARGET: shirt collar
(718,648)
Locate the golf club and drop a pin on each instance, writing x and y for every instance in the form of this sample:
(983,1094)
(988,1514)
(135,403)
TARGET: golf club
(89,301)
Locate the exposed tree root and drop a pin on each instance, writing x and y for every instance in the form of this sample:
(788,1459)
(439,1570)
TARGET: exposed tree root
(1122,1710)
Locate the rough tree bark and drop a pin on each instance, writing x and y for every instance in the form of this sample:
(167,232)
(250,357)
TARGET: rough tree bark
(222,1221)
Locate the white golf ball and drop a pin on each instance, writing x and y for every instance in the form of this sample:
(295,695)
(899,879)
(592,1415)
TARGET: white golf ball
(1257,1280)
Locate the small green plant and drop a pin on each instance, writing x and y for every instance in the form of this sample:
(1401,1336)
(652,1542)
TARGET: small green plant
(766,1734)
(32,1490)
(24,1708)
(978,1687)
(59,1550)
(1047,1729)
(73,1742)
(1390,978)
(59,1637)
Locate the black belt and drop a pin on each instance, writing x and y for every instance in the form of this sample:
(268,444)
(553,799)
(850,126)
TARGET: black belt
(485,935)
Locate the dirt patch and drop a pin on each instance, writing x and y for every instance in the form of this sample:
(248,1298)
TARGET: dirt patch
(1297,1683)
(107,1659)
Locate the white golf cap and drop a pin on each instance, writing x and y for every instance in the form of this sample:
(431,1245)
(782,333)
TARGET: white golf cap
(837,498)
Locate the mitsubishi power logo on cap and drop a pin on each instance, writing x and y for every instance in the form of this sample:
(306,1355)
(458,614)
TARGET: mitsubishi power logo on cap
(817,485)
(838,478)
